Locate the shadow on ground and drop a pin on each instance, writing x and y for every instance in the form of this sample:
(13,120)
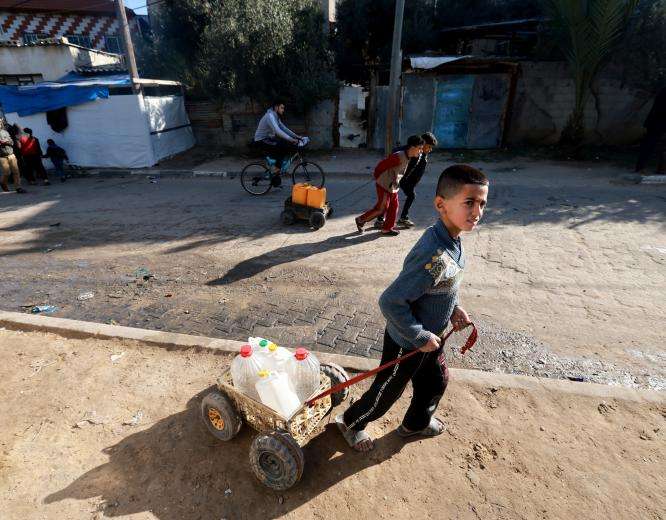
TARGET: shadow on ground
(176,470)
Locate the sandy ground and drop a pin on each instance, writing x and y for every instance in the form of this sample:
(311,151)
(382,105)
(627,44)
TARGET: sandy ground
(66,452)
(565,275)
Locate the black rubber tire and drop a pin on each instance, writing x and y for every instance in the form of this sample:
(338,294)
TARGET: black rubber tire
(309,173)
(216,407)
(256,179)
(338,375)
(317,219)
(276,460)
(288,217)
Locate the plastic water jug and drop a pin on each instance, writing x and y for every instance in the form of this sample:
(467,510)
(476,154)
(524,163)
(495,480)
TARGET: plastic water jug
(278,358)
(275,392)
(260,347)
(304,373)
(244,372)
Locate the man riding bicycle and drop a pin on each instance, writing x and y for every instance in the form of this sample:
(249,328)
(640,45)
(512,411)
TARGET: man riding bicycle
(275,139)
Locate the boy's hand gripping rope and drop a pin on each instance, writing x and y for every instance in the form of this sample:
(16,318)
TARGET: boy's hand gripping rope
(471,340)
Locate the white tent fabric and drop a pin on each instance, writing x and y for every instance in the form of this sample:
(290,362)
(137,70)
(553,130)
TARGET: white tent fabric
(430,62)
(170,130)
(123,131)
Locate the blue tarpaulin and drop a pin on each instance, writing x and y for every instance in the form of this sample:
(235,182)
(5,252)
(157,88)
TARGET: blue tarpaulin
(68,91)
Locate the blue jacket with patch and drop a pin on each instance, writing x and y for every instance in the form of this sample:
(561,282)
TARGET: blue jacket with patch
(421,299)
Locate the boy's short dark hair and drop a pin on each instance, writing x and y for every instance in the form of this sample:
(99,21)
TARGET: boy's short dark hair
(415,140)
(27,131)
(50,141)
(455,177)
(277,103)
(429,138)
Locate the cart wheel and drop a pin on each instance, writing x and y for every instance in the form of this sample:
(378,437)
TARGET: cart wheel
(288,217)
(337,375)
(220,416)
(276,460)
(317,219)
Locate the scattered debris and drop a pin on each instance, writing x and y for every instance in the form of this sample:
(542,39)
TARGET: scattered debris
(168,295)
(115,295)
(644,435)
(52,248)
(85,296)
(473,477)
(134,420)
(44,309)
(113,322)
(38,366)
(88,419)
(116,357)
(55,224)
(143,273)
(605,408)
(227,492)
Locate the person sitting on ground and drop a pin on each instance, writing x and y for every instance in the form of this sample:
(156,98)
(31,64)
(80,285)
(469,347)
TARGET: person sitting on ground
(388,173)
(31,151)
(412,177)
(417,306)
(275,139)
(8,161)
(58,156)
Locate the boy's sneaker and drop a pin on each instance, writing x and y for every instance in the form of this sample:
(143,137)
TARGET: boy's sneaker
(406,222)
(359,224)
(379,223)
(20,190)
(390,233)
(47,183)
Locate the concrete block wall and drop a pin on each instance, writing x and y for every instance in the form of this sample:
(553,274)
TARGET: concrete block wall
(234,124)
(545,96)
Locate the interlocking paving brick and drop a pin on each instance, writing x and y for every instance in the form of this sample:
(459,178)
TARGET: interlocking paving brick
(329,313)
(328,338)
(359,320)
(343,346)
(350,334)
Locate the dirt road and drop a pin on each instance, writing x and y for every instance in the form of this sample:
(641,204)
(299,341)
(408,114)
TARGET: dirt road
(97,429)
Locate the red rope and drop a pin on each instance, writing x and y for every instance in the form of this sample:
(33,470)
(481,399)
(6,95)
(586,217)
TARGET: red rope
(473,336)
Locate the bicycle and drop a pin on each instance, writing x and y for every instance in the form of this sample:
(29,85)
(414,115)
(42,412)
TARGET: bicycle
(257,178)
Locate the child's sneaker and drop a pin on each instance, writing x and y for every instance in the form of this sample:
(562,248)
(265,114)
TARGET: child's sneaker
(406,222)
(379,223)
(390,233)
(359,224)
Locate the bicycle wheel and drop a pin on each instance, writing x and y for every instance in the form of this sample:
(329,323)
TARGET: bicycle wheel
(256,178)
(309,173)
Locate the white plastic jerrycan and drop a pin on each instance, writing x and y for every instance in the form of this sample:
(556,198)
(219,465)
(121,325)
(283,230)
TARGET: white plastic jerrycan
(304,373)
(244,372)
(275,392)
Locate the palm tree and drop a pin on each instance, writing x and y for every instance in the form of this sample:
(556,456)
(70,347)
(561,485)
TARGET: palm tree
(587,32)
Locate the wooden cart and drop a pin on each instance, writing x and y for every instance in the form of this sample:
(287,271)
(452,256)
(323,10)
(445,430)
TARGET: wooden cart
(276,457)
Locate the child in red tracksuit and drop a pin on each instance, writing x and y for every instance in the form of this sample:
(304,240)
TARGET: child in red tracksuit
(387,178)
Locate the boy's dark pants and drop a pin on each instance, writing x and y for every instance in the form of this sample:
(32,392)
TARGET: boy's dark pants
(429,379)
(408,190)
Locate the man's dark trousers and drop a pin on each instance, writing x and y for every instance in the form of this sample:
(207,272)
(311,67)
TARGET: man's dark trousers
(408,190)
(429,379)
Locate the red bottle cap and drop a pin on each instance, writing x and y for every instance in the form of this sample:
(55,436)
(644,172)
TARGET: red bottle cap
(301,353)
(246,351)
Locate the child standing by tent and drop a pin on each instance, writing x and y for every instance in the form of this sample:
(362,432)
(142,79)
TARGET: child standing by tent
(58,156)
(31,151)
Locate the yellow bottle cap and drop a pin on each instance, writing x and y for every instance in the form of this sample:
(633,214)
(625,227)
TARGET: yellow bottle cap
(272,347)
(264,373)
